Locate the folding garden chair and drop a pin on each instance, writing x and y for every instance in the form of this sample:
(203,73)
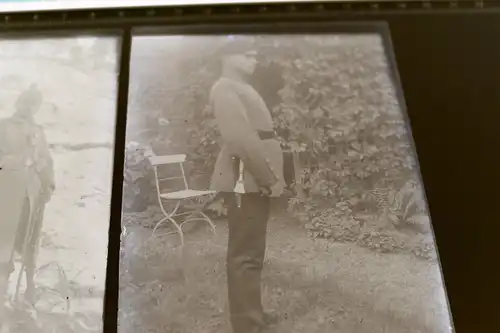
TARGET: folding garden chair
(177,197)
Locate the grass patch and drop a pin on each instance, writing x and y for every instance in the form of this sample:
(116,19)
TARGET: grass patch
(164,289)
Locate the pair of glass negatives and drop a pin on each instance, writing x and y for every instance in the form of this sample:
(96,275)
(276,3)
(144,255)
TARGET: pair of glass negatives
(270,172)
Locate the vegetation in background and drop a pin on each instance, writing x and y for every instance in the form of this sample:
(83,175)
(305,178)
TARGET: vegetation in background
(336,110)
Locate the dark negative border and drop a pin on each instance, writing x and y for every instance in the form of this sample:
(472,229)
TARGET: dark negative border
(448,61)
(111,294)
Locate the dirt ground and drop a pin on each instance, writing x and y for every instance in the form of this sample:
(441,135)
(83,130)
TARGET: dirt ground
(313,285)
(72,257)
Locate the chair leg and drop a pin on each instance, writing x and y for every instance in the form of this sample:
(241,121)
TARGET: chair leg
(203,218)
(159,223)
(177,227)
(189,219)
(179,230)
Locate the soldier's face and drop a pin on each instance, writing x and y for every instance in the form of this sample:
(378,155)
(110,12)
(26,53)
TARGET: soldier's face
(243,63)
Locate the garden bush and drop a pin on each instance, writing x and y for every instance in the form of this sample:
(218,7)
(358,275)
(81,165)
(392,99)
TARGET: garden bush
(335,105)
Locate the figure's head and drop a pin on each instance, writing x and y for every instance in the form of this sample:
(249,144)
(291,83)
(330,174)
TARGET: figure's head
(29,102)
(239,56)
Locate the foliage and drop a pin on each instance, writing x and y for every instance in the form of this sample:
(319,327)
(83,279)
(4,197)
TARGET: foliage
(335,106)
(381,233)
(138,179)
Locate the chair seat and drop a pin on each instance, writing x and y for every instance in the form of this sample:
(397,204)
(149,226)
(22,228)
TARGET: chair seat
(185,194)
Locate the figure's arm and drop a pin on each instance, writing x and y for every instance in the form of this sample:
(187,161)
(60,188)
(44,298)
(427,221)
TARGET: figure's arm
(238,134)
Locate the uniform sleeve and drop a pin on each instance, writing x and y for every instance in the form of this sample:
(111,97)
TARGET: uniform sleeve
(241,138)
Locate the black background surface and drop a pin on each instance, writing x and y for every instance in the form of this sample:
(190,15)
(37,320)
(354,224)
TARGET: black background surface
(450,72)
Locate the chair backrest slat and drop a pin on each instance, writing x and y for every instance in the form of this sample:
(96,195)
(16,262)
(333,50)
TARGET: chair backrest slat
(157,161)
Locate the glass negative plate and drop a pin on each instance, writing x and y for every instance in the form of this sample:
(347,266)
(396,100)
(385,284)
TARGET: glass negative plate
(57,110)
(350,246)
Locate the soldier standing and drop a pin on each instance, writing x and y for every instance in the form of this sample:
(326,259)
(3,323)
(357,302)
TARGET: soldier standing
(251,154)
(26,185)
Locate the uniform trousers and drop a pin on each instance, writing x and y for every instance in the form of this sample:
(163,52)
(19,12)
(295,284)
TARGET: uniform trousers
(245,258)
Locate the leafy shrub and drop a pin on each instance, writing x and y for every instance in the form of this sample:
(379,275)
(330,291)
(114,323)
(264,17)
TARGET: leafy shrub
(138,179)
(335,106)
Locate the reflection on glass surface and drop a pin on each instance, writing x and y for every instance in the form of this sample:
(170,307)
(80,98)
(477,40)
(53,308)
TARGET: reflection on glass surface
(57,113)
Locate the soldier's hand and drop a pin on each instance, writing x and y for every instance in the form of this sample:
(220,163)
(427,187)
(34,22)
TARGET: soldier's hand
(264,190)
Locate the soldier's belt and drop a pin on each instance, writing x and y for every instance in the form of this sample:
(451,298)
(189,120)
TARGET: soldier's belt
(266,135)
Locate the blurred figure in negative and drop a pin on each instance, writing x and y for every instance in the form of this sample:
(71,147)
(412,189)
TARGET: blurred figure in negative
(248,171)
(26,185)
